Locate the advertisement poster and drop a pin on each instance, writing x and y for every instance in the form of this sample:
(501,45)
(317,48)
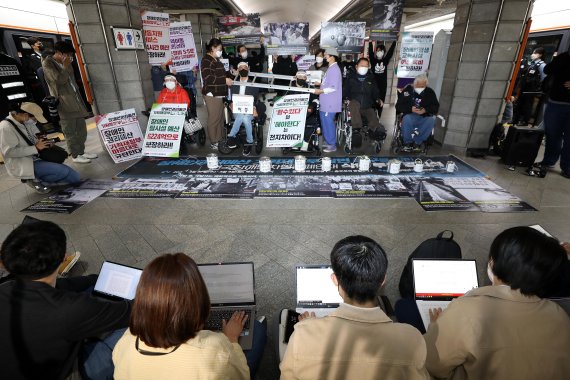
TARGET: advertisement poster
(287,38)
(236,30)
(415,54)
(287,126)
(121,134)
(387,19)
(156,37)
(346,37)
(182,47)
(164,130)
(305,61)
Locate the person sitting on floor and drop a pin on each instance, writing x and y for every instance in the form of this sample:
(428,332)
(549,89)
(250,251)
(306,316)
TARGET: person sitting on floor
(44,320)
(358,340)
(505,331)
(20,146)
(419,105)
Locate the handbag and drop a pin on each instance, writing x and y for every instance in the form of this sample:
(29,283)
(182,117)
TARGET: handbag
(52,154)
(192,125)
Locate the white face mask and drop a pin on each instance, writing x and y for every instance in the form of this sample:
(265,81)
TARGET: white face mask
(362,70)
(319,59)
(379,54)
(419,90)
(218,53)
(170,85)
(244,55)
(490,273)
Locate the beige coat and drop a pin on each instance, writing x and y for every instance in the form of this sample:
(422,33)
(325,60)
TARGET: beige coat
(18,155)
(354,344)
(62,85)
(496,333)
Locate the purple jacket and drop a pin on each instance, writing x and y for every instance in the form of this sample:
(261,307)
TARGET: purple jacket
(332,102)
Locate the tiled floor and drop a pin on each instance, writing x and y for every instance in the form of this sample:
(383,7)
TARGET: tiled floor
(276,234)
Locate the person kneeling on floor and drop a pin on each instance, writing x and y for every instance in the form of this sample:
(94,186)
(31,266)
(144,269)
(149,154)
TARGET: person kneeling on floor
(21,144)
(419,105)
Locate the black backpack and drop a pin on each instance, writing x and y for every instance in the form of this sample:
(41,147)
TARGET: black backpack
(497,139)
(532,81)
(435,248)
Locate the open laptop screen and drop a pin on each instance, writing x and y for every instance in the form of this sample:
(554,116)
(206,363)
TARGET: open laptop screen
(315,287)
(229,283)
(443,278)
(118,280)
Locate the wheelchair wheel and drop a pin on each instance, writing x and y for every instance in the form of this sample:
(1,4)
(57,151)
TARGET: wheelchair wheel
(201,137)
(259,141)
(223,147)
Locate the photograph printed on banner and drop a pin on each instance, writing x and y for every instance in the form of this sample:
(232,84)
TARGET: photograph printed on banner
(202,186)
(387,19)
(346,37)
(287,38)
(234,30)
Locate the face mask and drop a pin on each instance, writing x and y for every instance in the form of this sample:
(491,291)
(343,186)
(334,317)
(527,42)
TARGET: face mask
(243,73)
(218,53)
(31,122)
(490,273)
(380,54)
(243,55)
(170,85)
(301,82)
(419,90)
(319,59)
(362,70)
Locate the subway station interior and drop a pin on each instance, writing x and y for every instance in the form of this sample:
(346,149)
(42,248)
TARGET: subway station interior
(475,56)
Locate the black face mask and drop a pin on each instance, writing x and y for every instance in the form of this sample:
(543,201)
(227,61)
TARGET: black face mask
(301,82)
(243,73)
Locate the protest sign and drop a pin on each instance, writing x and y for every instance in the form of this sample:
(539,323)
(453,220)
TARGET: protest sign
(387,19)
(235,30)
(305,61)
(287,126)
(157,37)
(414,54)
(121,134)
(287,38)
(182,47)
(346,37)
(243,104)
(315,76)
(164,130)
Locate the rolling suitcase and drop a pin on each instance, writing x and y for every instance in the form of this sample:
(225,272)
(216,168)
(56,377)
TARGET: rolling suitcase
(521,145)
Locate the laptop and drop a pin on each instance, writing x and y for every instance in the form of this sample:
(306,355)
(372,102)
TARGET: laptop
(231,287)
(438,281)
(315,290)
(117,281)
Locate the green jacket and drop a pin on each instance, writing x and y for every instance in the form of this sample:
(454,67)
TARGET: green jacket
(62,85)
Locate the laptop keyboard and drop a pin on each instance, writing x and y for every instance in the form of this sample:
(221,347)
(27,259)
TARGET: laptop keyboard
(424,306)
(216,317)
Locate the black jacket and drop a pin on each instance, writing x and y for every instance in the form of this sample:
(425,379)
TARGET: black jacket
(379,67)
(363,89)
(427,100)
(255,63)
(558,72)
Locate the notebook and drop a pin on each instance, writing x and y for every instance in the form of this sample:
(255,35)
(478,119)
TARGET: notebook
(315,290)
(231,287)
(117,281)
(438,281)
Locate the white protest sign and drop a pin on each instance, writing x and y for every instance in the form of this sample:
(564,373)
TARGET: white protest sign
(164,130)
(414,54)
(243,104)
(305,61)
(287,126)
(314,76)
(182,47)
(121,134)
(157,37)
(226,63)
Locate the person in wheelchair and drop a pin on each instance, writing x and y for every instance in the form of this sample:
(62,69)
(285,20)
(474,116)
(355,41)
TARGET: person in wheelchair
(362,92)
(312,124)
(242,118)
(173,92)
(419,105)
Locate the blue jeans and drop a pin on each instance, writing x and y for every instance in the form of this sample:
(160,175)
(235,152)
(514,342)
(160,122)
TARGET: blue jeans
(96,361)
(51,173)
(242,118)
(416,128)
(254,355)
(557,131)
(329,127)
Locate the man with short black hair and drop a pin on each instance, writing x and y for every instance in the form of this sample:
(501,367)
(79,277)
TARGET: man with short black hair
(43,319)
(356,341)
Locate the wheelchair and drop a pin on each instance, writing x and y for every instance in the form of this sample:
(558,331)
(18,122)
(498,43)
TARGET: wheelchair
(257,130)
(350,138)
(398,145)
(312,132)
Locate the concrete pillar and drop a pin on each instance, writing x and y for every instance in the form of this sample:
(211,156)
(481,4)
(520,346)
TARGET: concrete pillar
(119,79)
(484,45)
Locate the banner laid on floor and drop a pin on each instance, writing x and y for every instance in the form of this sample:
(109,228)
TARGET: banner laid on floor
(415,54)
(164,130)
(156,37)
(346,37)
(289,38)
(121,134)
(387,19)
(287,125)
(236,30)
(182,47)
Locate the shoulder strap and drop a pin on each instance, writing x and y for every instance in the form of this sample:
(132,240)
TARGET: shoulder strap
(440,235)
(19,131)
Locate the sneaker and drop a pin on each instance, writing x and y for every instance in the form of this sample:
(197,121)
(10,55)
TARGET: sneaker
(247,150)
(80,160)
(329,149)
(543,165)
(38,187)
(214,146)
(68,262)
(89,156)
(232,142)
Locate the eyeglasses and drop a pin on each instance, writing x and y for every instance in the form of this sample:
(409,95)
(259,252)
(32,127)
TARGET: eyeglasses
(152,353)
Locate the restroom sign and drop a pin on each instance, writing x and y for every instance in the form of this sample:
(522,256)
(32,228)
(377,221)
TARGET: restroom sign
(128,39)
